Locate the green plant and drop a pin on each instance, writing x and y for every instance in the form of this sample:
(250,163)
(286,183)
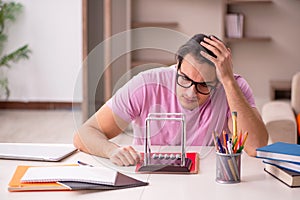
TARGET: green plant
(8,12)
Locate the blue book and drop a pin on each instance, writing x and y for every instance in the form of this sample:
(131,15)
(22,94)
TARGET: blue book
(280,151)
(285,165)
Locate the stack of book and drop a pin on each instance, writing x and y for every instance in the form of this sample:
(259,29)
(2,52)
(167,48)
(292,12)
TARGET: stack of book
(282,160)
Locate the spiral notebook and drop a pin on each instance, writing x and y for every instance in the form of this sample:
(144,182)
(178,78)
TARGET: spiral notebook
(96,175)
(69,177)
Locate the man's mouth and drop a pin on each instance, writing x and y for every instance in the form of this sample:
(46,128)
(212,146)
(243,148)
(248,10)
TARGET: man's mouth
(189,100)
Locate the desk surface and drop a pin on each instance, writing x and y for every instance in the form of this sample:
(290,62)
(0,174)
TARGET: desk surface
(255,183)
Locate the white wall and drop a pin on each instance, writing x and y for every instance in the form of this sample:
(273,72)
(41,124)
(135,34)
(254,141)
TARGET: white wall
(192,16)
(279,59)
(53,30)
(258,62)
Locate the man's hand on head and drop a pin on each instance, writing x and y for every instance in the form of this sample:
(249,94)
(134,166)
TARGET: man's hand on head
(223,61)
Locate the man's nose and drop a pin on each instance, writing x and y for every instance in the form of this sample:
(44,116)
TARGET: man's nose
(191,91)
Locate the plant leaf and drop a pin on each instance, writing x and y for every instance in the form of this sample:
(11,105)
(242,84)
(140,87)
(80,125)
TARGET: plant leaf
(21,53)
(8,11)
(4,88)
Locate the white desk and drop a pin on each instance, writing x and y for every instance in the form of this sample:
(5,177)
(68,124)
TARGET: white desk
(255,183)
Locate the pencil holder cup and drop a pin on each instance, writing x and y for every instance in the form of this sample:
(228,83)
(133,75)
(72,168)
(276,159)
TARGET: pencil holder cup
(228,168)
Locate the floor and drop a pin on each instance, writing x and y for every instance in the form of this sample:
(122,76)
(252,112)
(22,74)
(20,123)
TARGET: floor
(45,126)
(38,126)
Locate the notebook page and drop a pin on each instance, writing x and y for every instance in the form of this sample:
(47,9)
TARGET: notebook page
(97,175)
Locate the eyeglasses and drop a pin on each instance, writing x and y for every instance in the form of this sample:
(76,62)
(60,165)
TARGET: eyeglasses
(201,87)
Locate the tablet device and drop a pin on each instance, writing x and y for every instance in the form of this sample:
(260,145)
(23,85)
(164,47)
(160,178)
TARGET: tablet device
(35,151)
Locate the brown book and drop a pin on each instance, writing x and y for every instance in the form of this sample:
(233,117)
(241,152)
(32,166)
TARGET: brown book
(290,178)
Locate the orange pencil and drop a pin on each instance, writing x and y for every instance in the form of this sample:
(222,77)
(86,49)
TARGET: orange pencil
(243,143)
(245,137)
(224,139)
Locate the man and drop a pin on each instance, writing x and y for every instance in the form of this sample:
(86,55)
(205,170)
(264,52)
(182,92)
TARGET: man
(201,85)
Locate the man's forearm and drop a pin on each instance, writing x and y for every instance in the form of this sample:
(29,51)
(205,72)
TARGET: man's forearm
(97,144)
(93,142)
(248,119)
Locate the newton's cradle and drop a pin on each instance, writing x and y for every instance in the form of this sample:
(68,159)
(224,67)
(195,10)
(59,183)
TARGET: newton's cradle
(165,162)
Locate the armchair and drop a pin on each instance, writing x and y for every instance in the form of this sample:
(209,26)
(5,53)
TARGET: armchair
(282,118)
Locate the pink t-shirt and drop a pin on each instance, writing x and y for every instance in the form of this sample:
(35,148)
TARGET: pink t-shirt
(154,91)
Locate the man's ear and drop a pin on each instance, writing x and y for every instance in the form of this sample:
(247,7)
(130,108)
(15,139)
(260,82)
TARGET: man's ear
(178,64)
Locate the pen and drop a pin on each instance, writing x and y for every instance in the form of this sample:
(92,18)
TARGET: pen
(229,146)
(226,137)
(84,164)
(220,145)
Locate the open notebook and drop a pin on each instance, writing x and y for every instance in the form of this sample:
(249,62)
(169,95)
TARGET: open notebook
(35,151)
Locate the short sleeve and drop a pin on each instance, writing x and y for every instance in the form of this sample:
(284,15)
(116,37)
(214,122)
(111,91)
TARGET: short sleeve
(247,91)
(128,100)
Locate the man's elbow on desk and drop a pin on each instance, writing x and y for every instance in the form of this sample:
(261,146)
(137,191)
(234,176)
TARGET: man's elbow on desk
(78,143)
(250,149)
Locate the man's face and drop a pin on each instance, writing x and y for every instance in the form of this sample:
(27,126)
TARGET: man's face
(189,98)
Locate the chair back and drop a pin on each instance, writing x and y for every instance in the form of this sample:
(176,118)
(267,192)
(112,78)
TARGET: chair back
(295,93)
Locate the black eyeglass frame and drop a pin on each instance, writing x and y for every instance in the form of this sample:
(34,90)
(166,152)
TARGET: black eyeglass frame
(211,87)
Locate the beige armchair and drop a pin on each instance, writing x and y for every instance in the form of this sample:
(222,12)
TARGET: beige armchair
(280,116)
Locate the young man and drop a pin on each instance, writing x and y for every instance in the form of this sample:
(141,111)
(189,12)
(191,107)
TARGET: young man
(201,85)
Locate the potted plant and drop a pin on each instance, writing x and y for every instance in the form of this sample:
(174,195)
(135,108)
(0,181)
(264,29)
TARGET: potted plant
(8,13)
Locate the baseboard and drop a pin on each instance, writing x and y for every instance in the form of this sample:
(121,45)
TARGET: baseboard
(39,105)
